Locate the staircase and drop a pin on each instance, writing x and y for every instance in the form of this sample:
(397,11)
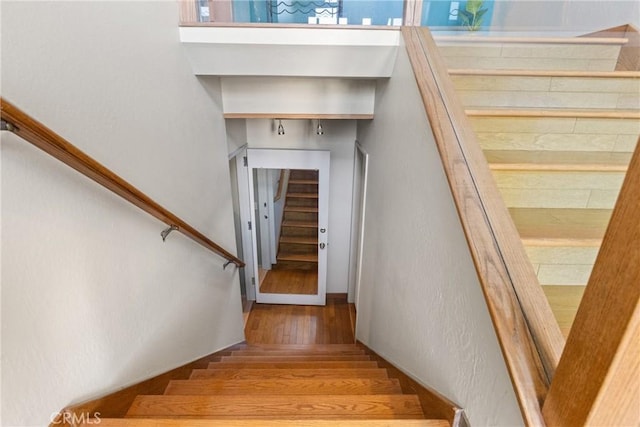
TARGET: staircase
(298,247)
(558,125)
(284,385)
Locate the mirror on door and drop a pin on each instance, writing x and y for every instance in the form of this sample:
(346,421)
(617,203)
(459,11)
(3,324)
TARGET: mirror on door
(286,204)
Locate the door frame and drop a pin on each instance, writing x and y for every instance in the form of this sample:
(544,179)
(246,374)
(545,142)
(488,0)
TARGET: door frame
(259,158)
(361,159)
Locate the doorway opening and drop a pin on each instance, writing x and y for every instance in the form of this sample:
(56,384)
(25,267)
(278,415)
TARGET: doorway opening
(289,195)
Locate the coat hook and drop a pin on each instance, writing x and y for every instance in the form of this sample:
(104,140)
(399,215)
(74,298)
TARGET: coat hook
(164,233)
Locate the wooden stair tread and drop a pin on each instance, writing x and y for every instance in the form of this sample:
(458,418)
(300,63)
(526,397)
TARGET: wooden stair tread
(177,422)
(303,195)
(298,257)
(294,365)
(293,407)
(304,224)
(309,373)
(304,181)
(561,223)
(259,353)
(284,387)
(553,112)
(600,161)
(299,240)
(292,347)
(544,73)
(297,358)
(485,39)
(309,209)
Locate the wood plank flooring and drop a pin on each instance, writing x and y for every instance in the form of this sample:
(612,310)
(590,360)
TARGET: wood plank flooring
(303,282)
(297,324)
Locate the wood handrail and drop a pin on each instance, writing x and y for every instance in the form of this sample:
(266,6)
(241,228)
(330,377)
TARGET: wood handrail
(47,140)
(529,336)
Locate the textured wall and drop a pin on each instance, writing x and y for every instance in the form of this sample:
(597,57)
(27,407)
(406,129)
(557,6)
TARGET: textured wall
(420,305)
(92,300)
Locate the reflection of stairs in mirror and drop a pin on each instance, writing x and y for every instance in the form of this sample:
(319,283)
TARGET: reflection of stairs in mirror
(298,249)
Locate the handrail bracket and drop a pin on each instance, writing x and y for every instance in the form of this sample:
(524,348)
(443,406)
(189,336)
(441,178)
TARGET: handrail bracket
(165,233)
(5,125)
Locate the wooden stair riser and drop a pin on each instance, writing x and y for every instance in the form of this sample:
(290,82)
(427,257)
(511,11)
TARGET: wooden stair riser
(558,198)
(303,358)
(297,174)
(295,248)
(294,365)
(547,92)
(301,216)
(302,188)
(595,190)
(283,374)
(304,202)
(564,301)
(295,407)
(284,387)
(296,265)
(530,56)
(262,353)
(562,265)
(289,231)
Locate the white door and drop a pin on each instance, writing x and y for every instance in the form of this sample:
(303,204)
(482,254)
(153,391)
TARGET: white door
(272,160)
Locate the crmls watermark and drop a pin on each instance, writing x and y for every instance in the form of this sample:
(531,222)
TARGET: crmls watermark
(70,418)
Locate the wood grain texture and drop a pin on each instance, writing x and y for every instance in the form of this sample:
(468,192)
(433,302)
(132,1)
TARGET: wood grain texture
(363,364)
(532,40)
(290,281)
(292,407)
(565,112)
(298,358)
(561,224)
(530,339)
(289,374)
(548,160)
(629,57)
(294,324)
(48,141)
(281,387)
(545,73)
(564,301)
(159,422)
(601,359)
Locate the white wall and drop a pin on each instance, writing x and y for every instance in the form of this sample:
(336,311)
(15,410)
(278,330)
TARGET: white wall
(92,300)
(420,303)
(572,16)
(285,95)
(339,138)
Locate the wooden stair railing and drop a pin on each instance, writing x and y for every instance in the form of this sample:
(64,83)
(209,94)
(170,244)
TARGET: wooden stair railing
(597,379)
(48,141)
(528,334)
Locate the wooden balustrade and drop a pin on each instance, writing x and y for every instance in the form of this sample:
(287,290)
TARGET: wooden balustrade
(47,140)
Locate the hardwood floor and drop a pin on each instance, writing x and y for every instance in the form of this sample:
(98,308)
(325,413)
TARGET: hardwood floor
(290,282)
(297,324)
